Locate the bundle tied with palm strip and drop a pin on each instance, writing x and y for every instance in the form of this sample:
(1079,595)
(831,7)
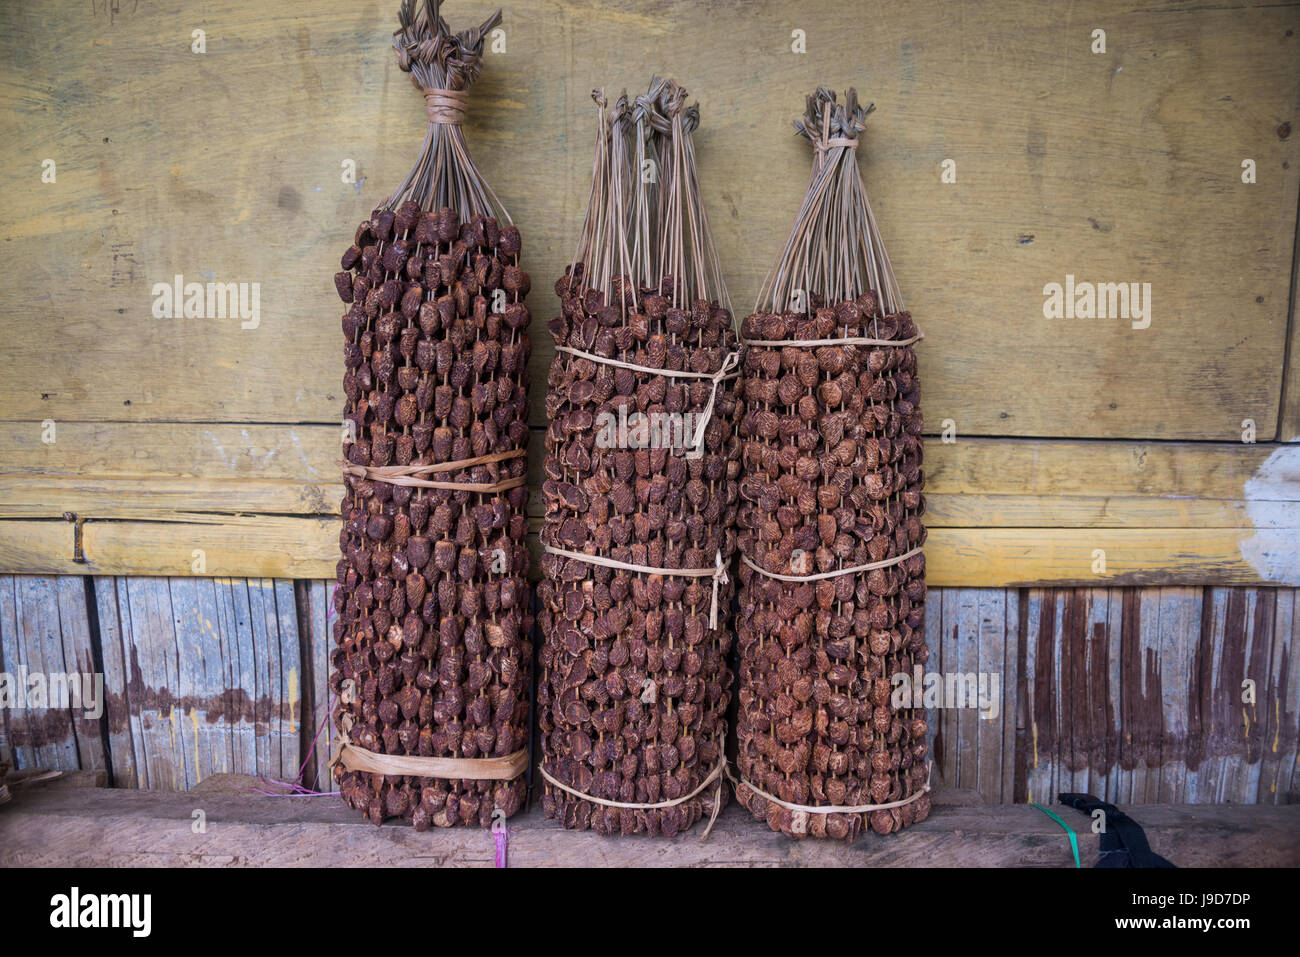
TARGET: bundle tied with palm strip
(641,489)
(433,654)
(832,579)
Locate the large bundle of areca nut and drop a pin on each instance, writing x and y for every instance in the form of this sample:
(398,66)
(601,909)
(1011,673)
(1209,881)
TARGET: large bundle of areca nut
(832,594)
(433,651)
(641,491)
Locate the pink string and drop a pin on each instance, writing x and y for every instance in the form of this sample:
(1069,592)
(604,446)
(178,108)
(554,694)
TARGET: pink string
(500,836)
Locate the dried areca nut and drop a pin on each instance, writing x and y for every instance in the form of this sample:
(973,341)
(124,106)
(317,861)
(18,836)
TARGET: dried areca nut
(510,242)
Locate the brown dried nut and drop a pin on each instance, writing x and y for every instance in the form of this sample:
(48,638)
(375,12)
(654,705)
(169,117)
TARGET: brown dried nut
(406,594)
(842,491)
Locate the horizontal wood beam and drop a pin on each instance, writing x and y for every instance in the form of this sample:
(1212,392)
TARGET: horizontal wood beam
(307,547)
(159,471)
(261,500)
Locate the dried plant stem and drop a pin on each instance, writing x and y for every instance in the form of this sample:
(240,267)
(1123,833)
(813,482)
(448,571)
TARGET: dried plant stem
(834,252)
(444,175)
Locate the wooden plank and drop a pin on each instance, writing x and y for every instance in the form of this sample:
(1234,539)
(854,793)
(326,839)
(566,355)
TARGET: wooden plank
(291,670)
(1149,734)
(79,659)
(1288,427)
(1240,646)
(276,671)
(1171,512)
(1058,175)
(240,657)
(942,745)
(123,723)
(1010,694)
(1131,697)
(1040,695)
(212,677)
(989,639)
(961,620)
(315,618)
(266,675)
(55,740)
(155,671)
(1180,625)
(240,546)
(166,470)
(205,723)
(991,557)
(1257,658)
(1096,644)
(38,547)
(1072,758)
(19,737)
(1281,707)
(950,660)
(1204,762)
(977,482)
(1119,783)
(62,828)
(289,547)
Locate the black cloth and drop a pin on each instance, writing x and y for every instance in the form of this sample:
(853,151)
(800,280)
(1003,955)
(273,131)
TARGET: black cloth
(1123,843)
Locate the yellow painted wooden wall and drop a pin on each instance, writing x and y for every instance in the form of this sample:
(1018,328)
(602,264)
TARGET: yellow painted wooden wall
(196,446)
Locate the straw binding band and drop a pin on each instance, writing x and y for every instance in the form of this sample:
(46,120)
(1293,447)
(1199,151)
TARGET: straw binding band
(718,770)
(356,758)
(728,370)
(410,474)
(718,572)
(851,570)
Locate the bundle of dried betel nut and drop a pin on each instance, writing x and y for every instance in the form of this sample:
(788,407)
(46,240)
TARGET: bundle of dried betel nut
(433,637)
(640,482)
(832,577)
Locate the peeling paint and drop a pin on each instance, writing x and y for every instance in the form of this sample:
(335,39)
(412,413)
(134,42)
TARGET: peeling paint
(1272,503)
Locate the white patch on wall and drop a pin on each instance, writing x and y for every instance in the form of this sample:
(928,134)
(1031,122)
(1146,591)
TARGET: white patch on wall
(1273,505)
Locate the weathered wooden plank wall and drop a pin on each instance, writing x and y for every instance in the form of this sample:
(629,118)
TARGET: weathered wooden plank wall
(262,501)
(202,675)
(1141,695)
(44,631)
(1136,695)
(316,616)
(172,435)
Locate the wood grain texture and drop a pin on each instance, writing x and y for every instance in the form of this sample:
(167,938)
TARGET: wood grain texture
(1138,695)
(205,678)
(63,828)
(315,617)
(1164,511)
(1132,694)
(973,635)
(47,718)
(161,471)
(1111,167)
(1288,427)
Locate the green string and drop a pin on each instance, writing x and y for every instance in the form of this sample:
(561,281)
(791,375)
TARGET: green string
(1074,840)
